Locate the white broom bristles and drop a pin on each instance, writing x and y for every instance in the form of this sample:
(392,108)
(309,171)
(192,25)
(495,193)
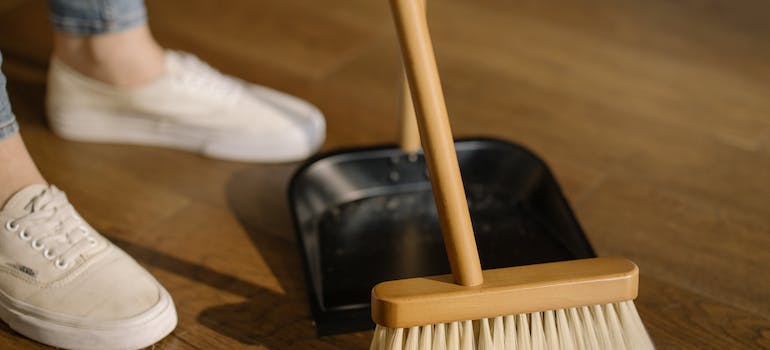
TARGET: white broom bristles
(612,326)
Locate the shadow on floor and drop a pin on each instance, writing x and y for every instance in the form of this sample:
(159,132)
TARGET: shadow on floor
(268,318)
(258,198)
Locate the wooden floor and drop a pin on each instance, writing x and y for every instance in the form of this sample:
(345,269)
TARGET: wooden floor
(654,115)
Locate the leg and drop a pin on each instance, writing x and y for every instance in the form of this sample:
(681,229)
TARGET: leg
(18,170)
(111,82)
(129,58)
(107,40)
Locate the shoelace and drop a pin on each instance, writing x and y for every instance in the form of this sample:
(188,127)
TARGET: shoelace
(197,75)
(53,227)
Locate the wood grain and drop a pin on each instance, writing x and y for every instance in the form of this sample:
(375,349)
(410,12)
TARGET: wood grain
(653,116)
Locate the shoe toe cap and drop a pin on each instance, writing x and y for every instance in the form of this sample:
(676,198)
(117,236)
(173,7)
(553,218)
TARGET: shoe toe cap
(116,288)
(281,128)
(305,118)
(133,293)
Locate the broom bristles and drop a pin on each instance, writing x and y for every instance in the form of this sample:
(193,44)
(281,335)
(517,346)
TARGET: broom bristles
(614,326)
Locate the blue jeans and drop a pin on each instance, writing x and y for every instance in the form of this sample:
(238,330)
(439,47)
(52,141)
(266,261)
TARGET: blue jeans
(80,17)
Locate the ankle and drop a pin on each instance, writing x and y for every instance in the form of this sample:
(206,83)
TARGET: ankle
(125,59)
(18,170)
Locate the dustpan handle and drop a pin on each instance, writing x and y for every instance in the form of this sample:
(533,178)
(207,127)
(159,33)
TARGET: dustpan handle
(410,134)
(437,141)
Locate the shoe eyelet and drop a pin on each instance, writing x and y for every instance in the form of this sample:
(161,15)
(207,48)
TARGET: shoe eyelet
(11,226)
(61,264)
(37,245)
(48,254)
(92,241)
(24,235)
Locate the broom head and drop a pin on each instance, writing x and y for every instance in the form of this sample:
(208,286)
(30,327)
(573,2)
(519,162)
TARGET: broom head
(579,304)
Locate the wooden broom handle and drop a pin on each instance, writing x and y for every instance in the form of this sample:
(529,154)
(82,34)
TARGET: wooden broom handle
(437,141)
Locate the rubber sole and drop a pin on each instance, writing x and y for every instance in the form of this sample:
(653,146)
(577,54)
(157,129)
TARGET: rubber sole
(115,128)
(134,333)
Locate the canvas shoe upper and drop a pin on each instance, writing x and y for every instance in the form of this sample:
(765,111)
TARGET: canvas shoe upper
(191,107)
(63,284)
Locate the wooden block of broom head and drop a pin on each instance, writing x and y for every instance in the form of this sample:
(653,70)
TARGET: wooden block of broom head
(506,291)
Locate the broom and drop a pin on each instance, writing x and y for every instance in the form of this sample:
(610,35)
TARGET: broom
(580,304)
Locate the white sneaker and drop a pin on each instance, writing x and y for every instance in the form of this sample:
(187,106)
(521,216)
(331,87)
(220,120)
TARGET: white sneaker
(64,285)
(191,107)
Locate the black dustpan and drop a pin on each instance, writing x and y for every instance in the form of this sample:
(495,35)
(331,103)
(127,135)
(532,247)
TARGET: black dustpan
(365,216)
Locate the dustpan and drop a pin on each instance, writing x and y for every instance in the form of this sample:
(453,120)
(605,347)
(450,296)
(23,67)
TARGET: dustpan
(367,215)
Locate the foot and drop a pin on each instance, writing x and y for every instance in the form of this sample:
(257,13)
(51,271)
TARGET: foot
(65,285)
(190,107)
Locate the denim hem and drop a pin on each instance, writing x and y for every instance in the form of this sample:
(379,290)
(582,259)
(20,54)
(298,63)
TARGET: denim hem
(85,26)
(9,128)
